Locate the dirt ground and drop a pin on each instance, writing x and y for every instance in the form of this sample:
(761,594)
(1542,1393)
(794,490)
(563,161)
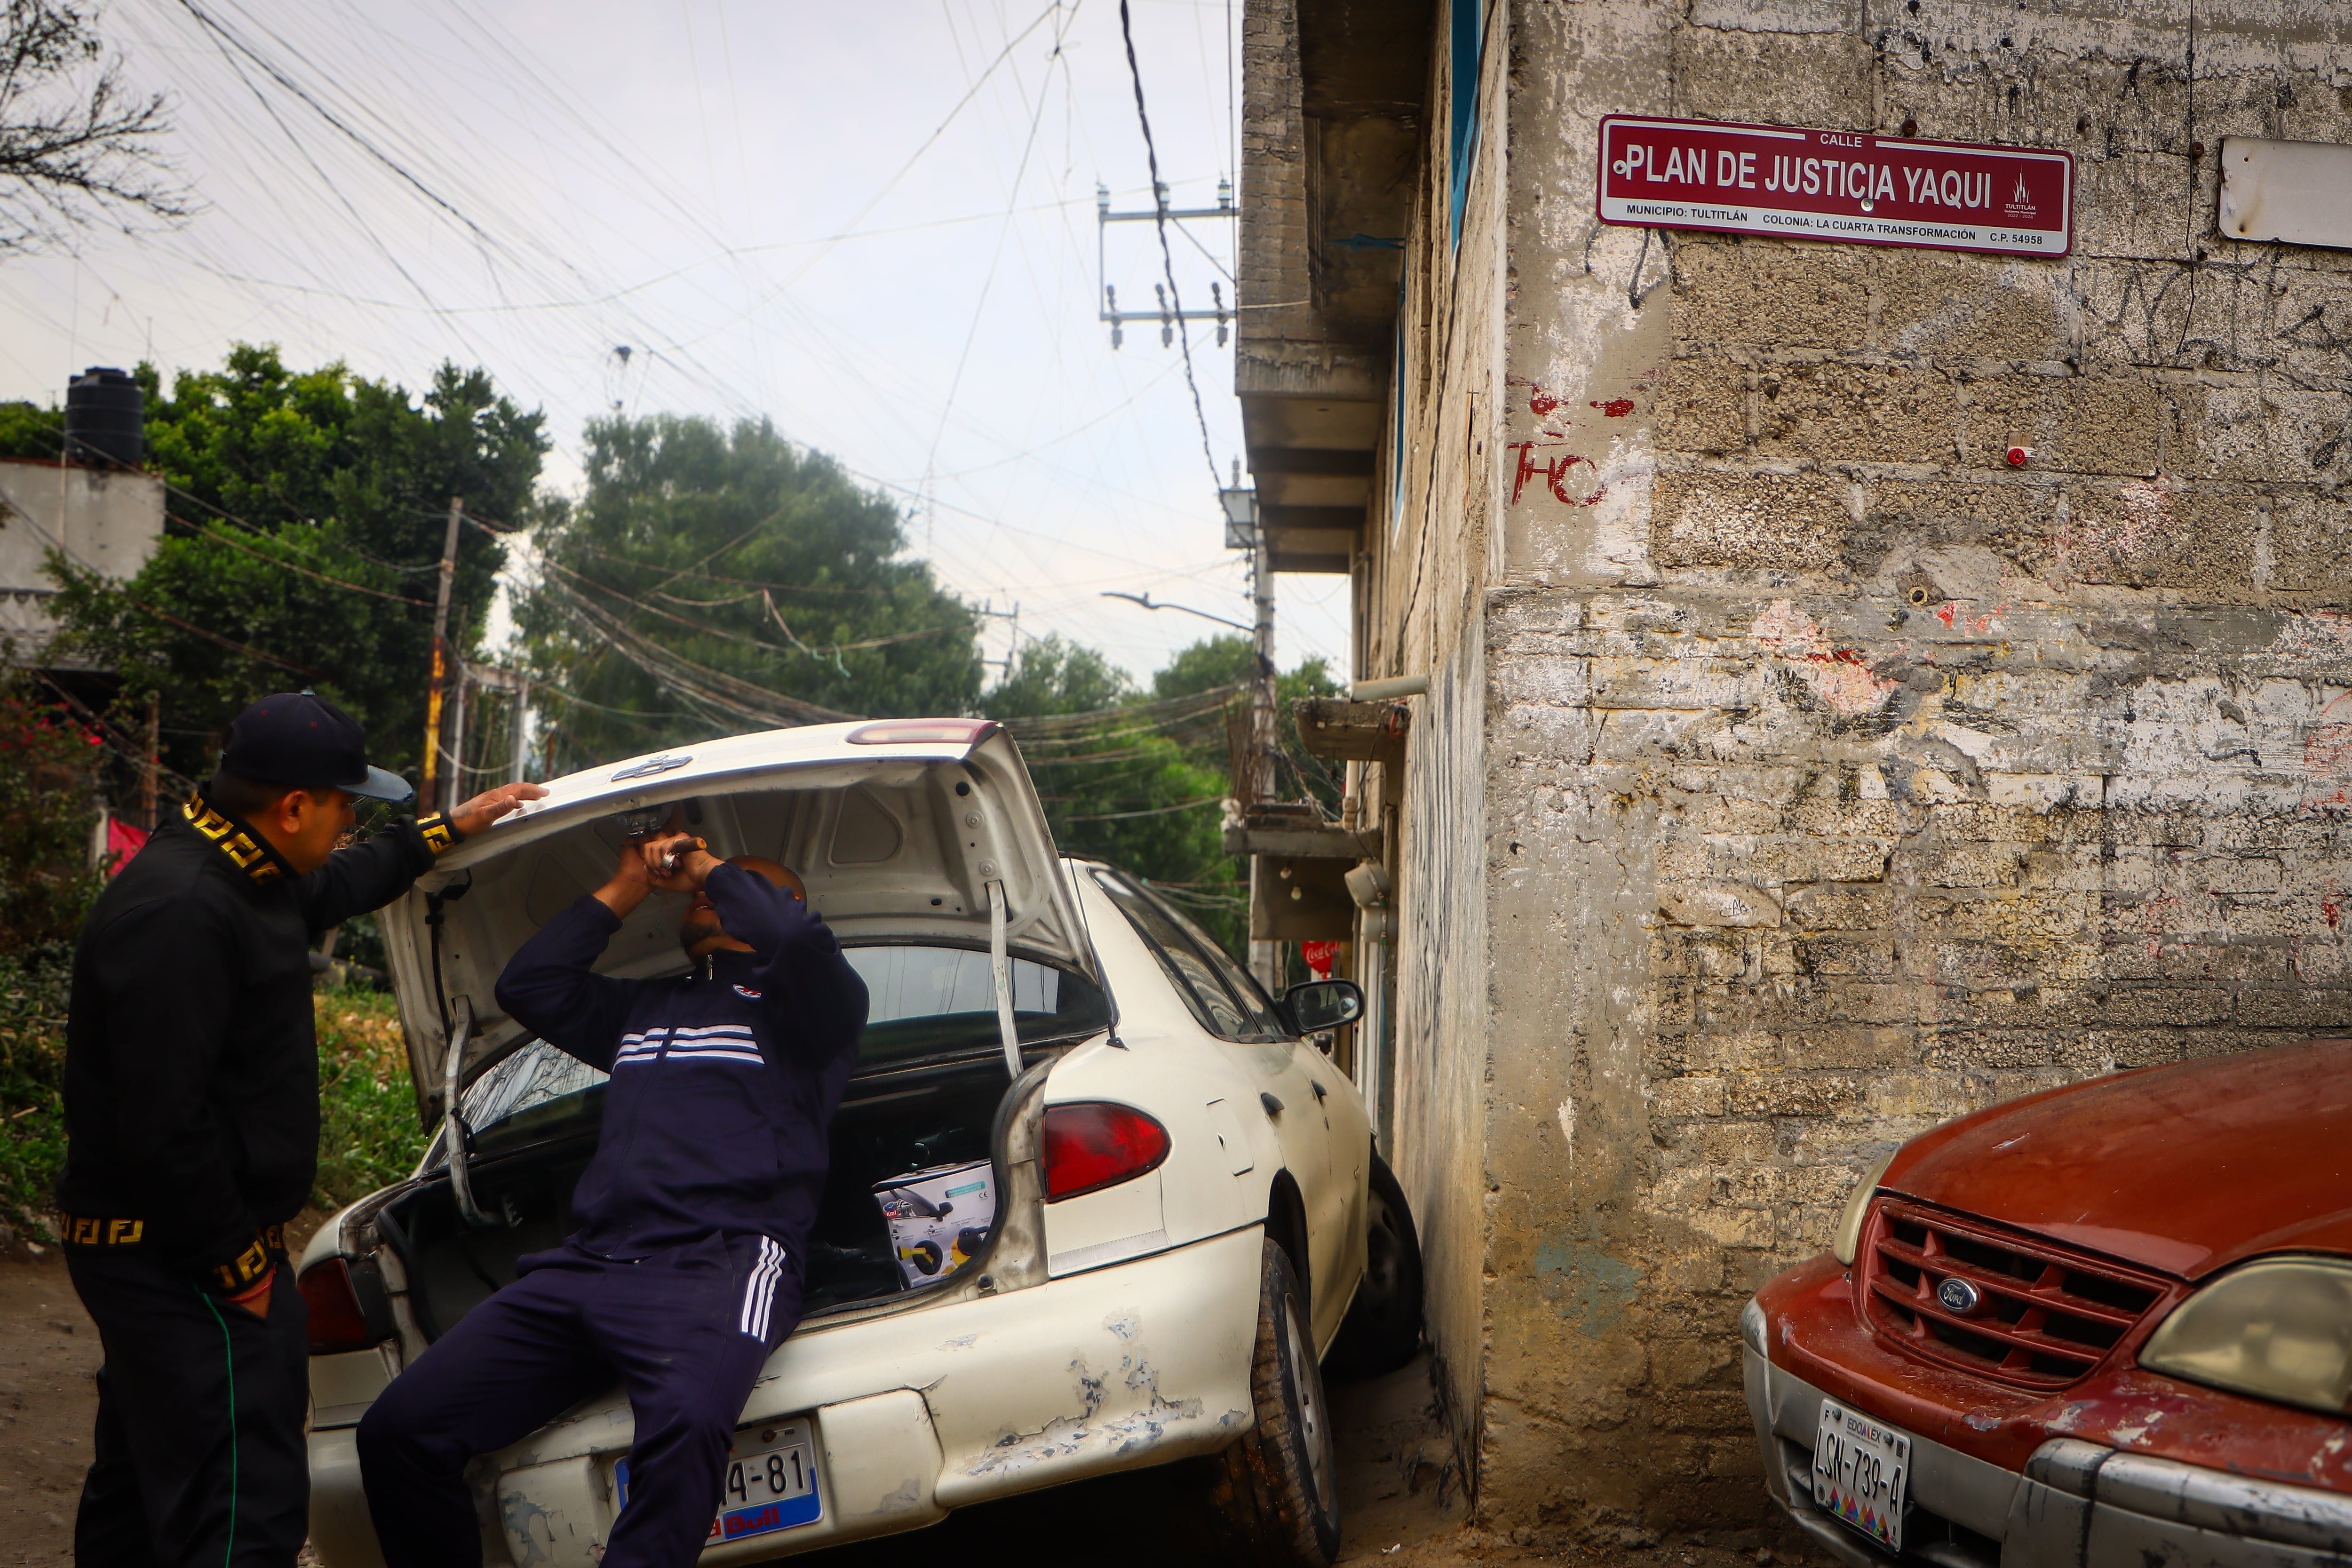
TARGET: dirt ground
(1397,1499)
(49,1352)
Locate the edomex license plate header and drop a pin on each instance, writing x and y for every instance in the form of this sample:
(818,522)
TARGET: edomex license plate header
(1855,186)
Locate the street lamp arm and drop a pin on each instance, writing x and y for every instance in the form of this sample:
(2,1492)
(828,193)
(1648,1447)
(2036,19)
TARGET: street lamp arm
(1145,600)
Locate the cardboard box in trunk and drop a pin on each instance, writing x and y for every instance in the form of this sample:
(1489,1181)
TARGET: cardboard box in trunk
(939,1218)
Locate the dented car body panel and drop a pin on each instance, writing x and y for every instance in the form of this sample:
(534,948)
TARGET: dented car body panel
(1108,1329)
(2135,1188)
(918,1413)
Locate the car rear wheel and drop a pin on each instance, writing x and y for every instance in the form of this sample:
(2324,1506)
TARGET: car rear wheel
(1274,1496)
(1382,1327)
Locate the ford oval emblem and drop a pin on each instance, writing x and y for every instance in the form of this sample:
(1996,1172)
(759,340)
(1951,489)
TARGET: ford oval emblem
(651,766)
(1957,1296)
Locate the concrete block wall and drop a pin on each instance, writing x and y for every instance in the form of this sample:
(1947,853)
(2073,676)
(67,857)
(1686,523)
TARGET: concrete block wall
(1840,778)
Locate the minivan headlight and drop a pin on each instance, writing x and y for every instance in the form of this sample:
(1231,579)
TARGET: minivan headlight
(1857,1209)
(2278,1329)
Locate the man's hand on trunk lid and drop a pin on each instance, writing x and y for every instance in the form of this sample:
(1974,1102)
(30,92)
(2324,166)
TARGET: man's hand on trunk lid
(678,862)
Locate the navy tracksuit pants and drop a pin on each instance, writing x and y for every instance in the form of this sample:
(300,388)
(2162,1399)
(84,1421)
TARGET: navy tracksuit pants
(686,1331)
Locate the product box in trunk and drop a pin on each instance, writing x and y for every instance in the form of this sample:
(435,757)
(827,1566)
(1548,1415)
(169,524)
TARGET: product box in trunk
(939,1218)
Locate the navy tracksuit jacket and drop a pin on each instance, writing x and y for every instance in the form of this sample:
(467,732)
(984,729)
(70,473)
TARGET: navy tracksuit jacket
(684,1271)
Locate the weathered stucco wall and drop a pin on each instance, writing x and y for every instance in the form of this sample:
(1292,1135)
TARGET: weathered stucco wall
(1431,545)
(1840,777)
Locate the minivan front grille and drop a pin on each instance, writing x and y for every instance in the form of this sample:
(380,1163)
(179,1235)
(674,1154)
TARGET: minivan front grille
(2045,1314)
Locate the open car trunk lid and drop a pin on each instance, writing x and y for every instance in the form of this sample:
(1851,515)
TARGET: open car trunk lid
(897,827)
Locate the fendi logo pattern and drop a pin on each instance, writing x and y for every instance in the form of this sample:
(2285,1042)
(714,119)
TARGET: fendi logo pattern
(231,841)
(94,1230)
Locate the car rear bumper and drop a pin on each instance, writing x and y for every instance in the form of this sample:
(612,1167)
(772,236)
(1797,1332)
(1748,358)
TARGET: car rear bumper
(916,1413)
(2078,1505)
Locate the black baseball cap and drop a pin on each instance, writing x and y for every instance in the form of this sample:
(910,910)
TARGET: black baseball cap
(300,740)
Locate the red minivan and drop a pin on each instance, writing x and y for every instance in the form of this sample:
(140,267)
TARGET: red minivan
(2104,1326)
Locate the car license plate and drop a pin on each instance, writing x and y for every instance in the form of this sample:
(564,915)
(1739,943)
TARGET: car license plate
(1860,1469)
(770,1483)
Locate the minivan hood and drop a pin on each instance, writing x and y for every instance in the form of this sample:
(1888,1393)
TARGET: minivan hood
(896,827)
(2182,1168)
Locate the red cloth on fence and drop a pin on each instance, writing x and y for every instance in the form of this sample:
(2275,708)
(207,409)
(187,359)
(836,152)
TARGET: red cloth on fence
(122,842)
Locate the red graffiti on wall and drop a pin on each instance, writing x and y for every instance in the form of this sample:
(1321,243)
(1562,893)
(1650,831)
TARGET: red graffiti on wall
(1554,472)
(1616,408)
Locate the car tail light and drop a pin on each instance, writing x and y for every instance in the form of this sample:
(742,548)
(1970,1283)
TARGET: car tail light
(1097,1144)
(2018,1307)
(338,1322)
(921,732)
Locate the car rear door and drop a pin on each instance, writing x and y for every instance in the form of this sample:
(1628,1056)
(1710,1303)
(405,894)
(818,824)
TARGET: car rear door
(1290,1076)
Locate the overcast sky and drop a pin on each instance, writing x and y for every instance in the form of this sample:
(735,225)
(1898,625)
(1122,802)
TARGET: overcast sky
(778,208)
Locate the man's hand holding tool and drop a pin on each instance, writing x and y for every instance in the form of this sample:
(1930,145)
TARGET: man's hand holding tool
(678,862)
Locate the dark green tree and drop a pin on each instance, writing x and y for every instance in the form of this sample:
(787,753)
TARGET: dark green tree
(1114,773)
(713,580)
(1227,660)
(307,511)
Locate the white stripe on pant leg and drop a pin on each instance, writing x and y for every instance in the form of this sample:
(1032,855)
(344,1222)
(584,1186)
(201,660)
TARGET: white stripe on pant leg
(768,1287)
(775,1257)
(751,1291)
(775,1267)
(757,1291)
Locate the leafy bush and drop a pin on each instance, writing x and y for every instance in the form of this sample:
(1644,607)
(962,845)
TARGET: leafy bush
(48,800)
(368,1135)
(33,988)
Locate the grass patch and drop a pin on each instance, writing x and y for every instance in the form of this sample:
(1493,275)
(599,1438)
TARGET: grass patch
(368,1136)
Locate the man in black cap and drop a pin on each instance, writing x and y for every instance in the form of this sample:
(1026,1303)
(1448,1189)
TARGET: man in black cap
(192,1127)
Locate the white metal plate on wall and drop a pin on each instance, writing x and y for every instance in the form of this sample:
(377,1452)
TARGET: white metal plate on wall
(2298,192)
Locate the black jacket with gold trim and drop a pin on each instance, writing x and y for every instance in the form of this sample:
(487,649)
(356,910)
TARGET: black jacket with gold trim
(192,1059)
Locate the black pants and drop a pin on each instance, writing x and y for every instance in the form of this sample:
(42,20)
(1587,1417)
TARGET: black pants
(200,1459)
(686,1331)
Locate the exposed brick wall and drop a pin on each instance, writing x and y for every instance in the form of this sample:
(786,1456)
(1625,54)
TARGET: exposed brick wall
(1839,778)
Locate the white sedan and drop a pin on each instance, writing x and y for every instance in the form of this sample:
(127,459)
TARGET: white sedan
(1095,1201)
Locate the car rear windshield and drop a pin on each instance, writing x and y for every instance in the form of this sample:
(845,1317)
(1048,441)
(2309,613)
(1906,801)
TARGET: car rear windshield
(924,1004)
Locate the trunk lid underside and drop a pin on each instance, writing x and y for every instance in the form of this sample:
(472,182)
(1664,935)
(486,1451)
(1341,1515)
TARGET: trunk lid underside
(896,842)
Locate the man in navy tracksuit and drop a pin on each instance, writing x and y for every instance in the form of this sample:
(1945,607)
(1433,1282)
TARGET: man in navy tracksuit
(685,1272)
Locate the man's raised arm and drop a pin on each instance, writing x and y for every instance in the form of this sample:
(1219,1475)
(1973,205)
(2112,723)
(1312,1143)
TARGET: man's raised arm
(550,985)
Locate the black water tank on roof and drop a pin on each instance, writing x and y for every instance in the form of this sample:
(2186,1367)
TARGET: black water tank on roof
(106,418)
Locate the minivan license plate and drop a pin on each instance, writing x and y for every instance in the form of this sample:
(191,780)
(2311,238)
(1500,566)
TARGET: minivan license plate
(1860,1469)
(772,1487)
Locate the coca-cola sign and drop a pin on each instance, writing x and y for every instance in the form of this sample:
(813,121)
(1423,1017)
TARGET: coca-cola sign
(1853,187)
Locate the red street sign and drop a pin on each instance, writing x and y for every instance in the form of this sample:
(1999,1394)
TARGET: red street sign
(1855,186)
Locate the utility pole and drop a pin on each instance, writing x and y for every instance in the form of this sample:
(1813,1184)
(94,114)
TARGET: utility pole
(521,728)
(1262,696)
(455,789)
(1265,957)
(1246,529)
(149,764)
(427,797)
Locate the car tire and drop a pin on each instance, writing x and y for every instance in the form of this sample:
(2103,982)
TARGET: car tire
(1273,1496)
(1382,1327)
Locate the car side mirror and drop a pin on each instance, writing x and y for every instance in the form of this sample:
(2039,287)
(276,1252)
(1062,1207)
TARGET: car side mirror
(1321,1005)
